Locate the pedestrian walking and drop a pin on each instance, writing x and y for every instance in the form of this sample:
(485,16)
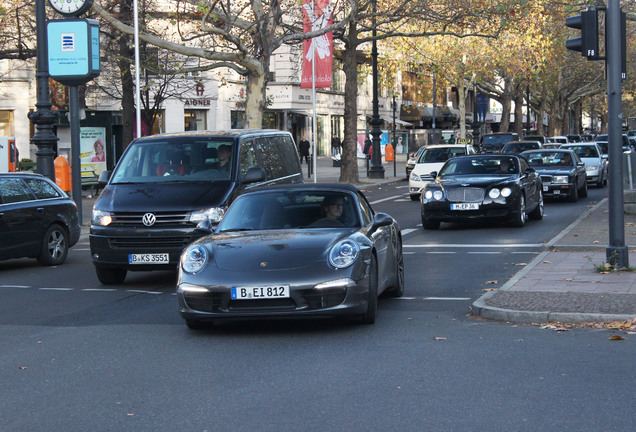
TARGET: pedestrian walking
(335,146)
(367,147)
(303,149)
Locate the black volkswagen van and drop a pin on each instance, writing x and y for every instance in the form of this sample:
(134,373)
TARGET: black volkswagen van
(168,190)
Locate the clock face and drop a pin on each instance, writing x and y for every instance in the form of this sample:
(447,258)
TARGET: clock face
(71,7)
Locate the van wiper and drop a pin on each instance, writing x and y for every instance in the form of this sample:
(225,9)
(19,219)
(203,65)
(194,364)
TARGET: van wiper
(237,229)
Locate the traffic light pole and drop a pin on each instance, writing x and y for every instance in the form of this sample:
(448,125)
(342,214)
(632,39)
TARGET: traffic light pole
(617,253)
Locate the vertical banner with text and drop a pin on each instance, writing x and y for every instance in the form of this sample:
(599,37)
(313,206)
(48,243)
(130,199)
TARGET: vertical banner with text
(317,15)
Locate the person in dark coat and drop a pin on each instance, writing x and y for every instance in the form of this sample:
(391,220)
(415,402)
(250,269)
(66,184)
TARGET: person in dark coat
(335,145)
(303,150)
(367,147)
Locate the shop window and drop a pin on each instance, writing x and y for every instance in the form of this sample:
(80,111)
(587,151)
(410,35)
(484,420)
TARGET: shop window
(6,123)
(195,120)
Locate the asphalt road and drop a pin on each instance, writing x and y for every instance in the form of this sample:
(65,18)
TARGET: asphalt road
(80,356)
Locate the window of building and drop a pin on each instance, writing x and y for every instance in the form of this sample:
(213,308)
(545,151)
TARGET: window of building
(6,123)
(195,120)
(238,119)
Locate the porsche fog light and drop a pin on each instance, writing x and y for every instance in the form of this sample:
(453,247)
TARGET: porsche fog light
(194,259)
(101,218)
(494,193)
(344,253)
(506,192)
(438,195)
(214,215)
(560,179)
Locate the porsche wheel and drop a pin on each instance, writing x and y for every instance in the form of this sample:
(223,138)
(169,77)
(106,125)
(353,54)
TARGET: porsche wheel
(372,302)
(397,290)
(520,217)
(54,246)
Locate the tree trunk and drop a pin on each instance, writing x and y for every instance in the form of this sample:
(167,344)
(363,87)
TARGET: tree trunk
(506,99)
(518,97)
(256,99)
(349,151)
(127,87)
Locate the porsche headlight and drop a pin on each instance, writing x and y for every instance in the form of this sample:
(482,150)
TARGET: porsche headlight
(344,253)
(560,179)
(194,259)
(214,215)
(494,193)
(101,218)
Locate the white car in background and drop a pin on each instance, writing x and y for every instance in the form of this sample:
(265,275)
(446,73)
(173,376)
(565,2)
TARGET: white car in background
(596,163)
(432,159)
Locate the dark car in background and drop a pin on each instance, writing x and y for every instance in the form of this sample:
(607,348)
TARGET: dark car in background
(37,219)
(562,172)
(517,147)
(483,187)
(494,142)
(314,250)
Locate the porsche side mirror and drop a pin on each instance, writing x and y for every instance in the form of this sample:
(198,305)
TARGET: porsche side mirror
(380,220)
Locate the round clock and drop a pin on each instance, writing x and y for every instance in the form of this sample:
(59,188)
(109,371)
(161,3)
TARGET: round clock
(71,7)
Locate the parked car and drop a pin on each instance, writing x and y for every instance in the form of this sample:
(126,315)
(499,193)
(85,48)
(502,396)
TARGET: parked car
(37,219)
(518,147)
(482,187)
(494,142)
(432,159)
(562,172)
(625,140)
(168,190)
(596,164)
(539,138)
(412,160)
(314,250)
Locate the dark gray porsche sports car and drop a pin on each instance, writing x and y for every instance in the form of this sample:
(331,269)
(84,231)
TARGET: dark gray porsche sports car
(291,251)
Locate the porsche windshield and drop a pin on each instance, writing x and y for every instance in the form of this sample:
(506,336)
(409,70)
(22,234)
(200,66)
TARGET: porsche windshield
(176,160)
(480,166)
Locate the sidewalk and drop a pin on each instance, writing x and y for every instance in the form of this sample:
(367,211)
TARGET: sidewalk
(564,284)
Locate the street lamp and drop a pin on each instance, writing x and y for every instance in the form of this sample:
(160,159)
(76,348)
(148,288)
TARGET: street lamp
(376,170)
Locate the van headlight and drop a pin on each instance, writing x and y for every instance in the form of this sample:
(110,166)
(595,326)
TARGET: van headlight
(214,215)
(101,218)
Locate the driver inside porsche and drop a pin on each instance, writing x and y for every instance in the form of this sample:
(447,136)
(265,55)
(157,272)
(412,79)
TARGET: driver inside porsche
(331,212)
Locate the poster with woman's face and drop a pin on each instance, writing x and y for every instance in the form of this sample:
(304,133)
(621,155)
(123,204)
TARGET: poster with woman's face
(93,150)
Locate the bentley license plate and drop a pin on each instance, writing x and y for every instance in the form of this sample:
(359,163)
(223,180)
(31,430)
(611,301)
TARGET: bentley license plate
(156,258)
(253,293)
(465,206)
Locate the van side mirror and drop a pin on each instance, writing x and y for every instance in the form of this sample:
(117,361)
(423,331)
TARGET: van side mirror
(254,175)
(103,178)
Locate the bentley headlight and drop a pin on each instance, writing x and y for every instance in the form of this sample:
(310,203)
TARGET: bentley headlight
(214,215)
(101,218)
(506,192)
(438,195)
(560,179)
(494,193)
(428,194)
(344,253)
(194,259)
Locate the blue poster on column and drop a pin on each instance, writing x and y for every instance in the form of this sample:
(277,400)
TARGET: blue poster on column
(73,50)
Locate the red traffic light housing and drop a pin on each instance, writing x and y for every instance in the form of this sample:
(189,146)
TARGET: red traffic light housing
(587,44)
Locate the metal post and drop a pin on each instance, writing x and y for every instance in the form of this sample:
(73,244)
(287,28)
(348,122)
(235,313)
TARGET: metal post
(394,106)
(76,164)
(617,253)
(376,170)
(43,117)
(434,105)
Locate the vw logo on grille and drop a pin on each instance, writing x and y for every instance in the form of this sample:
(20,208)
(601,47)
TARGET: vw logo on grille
(149,219)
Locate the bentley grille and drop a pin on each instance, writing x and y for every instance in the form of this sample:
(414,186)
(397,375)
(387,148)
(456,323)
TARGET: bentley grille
(465,194)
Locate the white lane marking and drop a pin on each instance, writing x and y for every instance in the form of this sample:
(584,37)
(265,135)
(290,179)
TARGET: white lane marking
(15,286)
(408,253)
(98,289)
(384,199)
(145,292)
(434,298)
(484,253)
(56,289)
(408,231)
(402,187)
(440,253)
(458,245)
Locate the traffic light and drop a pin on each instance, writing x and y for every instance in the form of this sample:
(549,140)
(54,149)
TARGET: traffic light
(587,44)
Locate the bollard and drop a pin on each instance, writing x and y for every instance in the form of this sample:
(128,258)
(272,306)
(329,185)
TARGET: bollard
(62,173)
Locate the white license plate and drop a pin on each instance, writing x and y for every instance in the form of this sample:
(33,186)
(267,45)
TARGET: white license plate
(159,258)
(556,192)
(465,206)
(267,292)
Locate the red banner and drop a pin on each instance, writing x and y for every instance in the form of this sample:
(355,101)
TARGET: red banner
(317,15)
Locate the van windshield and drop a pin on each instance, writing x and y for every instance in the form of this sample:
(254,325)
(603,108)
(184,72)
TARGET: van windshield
(172,160)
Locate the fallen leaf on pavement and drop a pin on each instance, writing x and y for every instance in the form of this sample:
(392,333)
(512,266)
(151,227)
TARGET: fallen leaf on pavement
(554,327)
(437,338)
(595,242)
(617,337)
(22,367)
(492,282)
(490,289)
(567,279)
(547,262)
(522,264)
